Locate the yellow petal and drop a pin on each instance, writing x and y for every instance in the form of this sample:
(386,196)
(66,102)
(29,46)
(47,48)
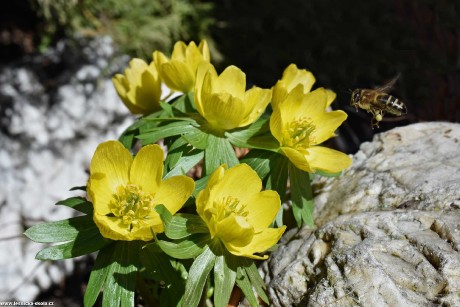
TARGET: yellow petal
(204,49)
(136,68)
(292,107)
(260,243)
(255,101)
(223,111)
(314,103)
(328,160)
(205,71)
(179,51)
(297,158)
(235,230)
(233,81)
(294,76)
(113,160)
(100,193)
(276,125)
(202,200)
(147,168)
(262,208)
(146,95)
(174,191)
(240,182)
(330,97)
(112,228)
(193,56)
(178,76)
(159,59)
(327,123)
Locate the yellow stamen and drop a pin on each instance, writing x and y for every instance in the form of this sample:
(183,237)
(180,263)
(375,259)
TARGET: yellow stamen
(299,131)
(131,204)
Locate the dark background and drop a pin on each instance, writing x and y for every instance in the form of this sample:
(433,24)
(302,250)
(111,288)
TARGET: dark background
(346,44)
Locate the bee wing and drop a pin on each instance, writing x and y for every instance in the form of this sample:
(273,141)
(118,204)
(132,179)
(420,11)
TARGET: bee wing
(388,86)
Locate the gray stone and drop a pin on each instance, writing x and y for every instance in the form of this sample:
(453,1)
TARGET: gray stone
(47,141)
(389,228)
(415,167)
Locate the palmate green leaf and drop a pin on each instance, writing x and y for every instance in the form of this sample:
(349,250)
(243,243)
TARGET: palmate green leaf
(77,203)
(180,225)
(85,243)
(219,151)
(184,103)
(301,196)
(224,279)
(99,273)
(240,137)
(175,151)
(277,180)
(159,266)
(259,161)
(197,276)
(196,137)
(157,133)
(187,248)
(186,163)
(61,231)
(120,283)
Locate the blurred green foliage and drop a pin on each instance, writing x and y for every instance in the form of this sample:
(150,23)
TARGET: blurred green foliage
(137,27)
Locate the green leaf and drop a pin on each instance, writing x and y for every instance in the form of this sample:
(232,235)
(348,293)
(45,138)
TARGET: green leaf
(242,280)
(184,103)
(256,281)
(98,275)
(196,137)
(187,248)
(78,203)
(175,152)
(197,276)
(127,139)
(61,231)
(120,284)
(301,196)
(158,133)
(240,137)
(224,280)
(259,161)
(218,152)
(277,180)
(180,225)
(186,163)
(85,243)
(159,265)
(278,176)
(200,184)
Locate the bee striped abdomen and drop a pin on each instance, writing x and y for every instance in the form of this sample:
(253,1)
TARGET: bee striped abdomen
(393,105)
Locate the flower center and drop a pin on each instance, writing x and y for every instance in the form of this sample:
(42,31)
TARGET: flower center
(131,204)
(227,206)
(299,132)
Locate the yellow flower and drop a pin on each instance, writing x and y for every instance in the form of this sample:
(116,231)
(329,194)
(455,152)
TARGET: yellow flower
(178,73)
(300,123)
(223,100)
(237,213)
(124,192)
(140,87)
(293,77)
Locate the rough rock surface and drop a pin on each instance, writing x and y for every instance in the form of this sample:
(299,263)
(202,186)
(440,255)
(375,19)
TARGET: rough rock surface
(389,230)
(49,128)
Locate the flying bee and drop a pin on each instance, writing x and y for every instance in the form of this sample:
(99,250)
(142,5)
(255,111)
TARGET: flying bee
(378,102)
